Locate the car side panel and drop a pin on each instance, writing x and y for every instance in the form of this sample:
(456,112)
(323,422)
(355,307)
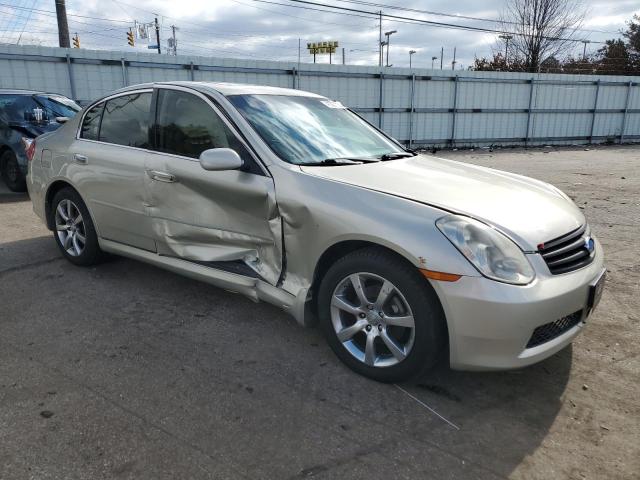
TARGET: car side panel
(112,182)
(318,213)
(214,216)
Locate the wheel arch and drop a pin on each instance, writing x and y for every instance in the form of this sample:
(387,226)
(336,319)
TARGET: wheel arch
(345,247)
(54,188)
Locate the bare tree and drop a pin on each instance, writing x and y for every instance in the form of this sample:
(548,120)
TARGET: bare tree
(541,29)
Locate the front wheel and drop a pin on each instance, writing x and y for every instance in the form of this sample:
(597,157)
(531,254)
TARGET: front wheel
(380,316)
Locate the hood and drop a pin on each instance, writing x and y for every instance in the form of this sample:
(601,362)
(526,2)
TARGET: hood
(527,210)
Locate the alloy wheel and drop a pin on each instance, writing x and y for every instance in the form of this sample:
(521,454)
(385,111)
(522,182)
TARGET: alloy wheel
(70,228)
(372,319)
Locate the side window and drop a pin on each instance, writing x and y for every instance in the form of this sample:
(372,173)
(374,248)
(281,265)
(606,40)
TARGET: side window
(126,120)
(187,126)
(91,123)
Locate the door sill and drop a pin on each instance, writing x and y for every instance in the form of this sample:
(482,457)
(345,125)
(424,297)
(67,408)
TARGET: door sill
(253,287)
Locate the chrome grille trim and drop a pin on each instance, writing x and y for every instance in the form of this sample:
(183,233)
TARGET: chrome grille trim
(568,252)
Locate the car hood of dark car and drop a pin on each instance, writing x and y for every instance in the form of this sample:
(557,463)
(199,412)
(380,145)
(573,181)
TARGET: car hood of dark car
(529,211)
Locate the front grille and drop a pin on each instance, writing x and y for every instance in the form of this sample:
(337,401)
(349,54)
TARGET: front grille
(549,331)
(568,252)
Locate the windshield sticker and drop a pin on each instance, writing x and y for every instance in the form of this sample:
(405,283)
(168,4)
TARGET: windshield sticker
(333,104)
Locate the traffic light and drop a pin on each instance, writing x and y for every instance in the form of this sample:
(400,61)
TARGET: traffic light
(76,41)
(130,38)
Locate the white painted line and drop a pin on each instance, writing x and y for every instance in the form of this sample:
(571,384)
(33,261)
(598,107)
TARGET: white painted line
(426,406)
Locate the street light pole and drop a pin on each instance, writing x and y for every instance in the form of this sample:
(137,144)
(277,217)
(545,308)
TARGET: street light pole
(411,52)
(388,35)
(433,59)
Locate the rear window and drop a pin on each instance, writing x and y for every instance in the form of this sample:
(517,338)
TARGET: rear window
(91,123)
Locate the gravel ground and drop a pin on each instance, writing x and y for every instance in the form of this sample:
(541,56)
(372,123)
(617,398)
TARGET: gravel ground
(128,371)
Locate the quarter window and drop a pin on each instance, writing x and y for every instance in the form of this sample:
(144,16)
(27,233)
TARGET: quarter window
(188,126)
(126,120)
(91,123)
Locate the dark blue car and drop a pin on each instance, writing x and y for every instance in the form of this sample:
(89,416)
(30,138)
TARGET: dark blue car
(25,114)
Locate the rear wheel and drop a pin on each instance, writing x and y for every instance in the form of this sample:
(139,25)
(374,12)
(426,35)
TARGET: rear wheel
(11,173)
(380,316)
(74,231)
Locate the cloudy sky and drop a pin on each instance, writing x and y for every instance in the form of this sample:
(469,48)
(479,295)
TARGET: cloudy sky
(270,29)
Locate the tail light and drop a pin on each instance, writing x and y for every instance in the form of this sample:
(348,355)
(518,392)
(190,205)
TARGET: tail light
(29,147)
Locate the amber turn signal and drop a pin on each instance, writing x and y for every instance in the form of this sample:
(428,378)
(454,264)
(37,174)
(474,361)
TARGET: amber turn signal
(445,277)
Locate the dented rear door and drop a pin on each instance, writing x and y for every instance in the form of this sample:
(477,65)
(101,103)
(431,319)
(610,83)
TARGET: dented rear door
(213,217)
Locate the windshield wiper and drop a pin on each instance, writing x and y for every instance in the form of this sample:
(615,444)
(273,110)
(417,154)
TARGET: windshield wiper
(397,155)
(340,161)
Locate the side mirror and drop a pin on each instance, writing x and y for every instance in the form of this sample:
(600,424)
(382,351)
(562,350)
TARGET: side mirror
(216,159)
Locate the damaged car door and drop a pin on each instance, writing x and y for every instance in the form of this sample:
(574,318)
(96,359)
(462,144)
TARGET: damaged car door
(223,218)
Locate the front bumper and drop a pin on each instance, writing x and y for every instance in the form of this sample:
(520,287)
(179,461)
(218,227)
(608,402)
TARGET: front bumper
(490,323)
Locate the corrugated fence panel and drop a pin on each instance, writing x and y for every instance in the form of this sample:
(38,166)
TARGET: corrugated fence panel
(461,108)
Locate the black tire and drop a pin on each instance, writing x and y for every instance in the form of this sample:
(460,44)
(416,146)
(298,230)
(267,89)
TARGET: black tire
(11,174)
(91,253)
(430,332)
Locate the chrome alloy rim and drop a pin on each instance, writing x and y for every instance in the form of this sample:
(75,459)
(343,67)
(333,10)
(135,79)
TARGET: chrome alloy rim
(70,228)
(372,319)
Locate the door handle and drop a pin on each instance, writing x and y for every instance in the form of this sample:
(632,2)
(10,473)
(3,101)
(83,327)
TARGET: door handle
(161,176)
(81,159)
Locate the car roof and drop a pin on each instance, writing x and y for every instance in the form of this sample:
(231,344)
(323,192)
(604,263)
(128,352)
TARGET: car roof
(228,89)
(18,91)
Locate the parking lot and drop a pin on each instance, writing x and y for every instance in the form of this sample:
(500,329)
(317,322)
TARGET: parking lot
(128,371)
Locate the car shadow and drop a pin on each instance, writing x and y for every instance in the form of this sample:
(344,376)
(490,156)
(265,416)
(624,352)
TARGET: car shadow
(502,417)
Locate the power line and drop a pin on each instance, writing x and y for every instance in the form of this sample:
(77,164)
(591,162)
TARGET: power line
(402,19)
(455,15)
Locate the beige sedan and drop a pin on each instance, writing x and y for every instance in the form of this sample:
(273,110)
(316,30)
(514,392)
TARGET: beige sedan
(289,197)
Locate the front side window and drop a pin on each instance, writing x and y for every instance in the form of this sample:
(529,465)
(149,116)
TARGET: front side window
(125,120)
(91,123)
(188,126)
(304,130)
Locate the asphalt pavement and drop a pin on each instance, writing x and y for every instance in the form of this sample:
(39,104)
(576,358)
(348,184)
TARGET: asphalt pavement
(127,371)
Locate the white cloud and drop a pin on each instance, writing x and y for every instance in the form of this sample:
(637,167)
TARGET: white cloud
(250,29)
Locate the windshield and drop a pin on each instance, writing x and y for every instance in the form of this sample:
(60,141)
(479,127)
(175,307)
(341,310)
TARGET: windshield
(40,108)
(308,130)
(57,105)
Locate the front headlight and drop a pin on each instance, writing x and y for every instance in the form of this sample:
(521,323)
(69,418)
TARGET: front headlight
(491,252)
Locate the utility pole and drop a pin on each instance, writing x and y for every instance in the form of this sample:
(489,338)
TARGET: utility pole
(441,56)
(63,26)
(453,63)
(388,35)
(380,40)
(584,50)
(411,52)
(158,35)
(506,39)
(343,56)
(175,42)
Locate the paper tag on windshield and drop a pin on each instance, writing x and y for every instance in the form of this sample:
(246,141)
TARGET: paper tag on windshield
(333,104)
